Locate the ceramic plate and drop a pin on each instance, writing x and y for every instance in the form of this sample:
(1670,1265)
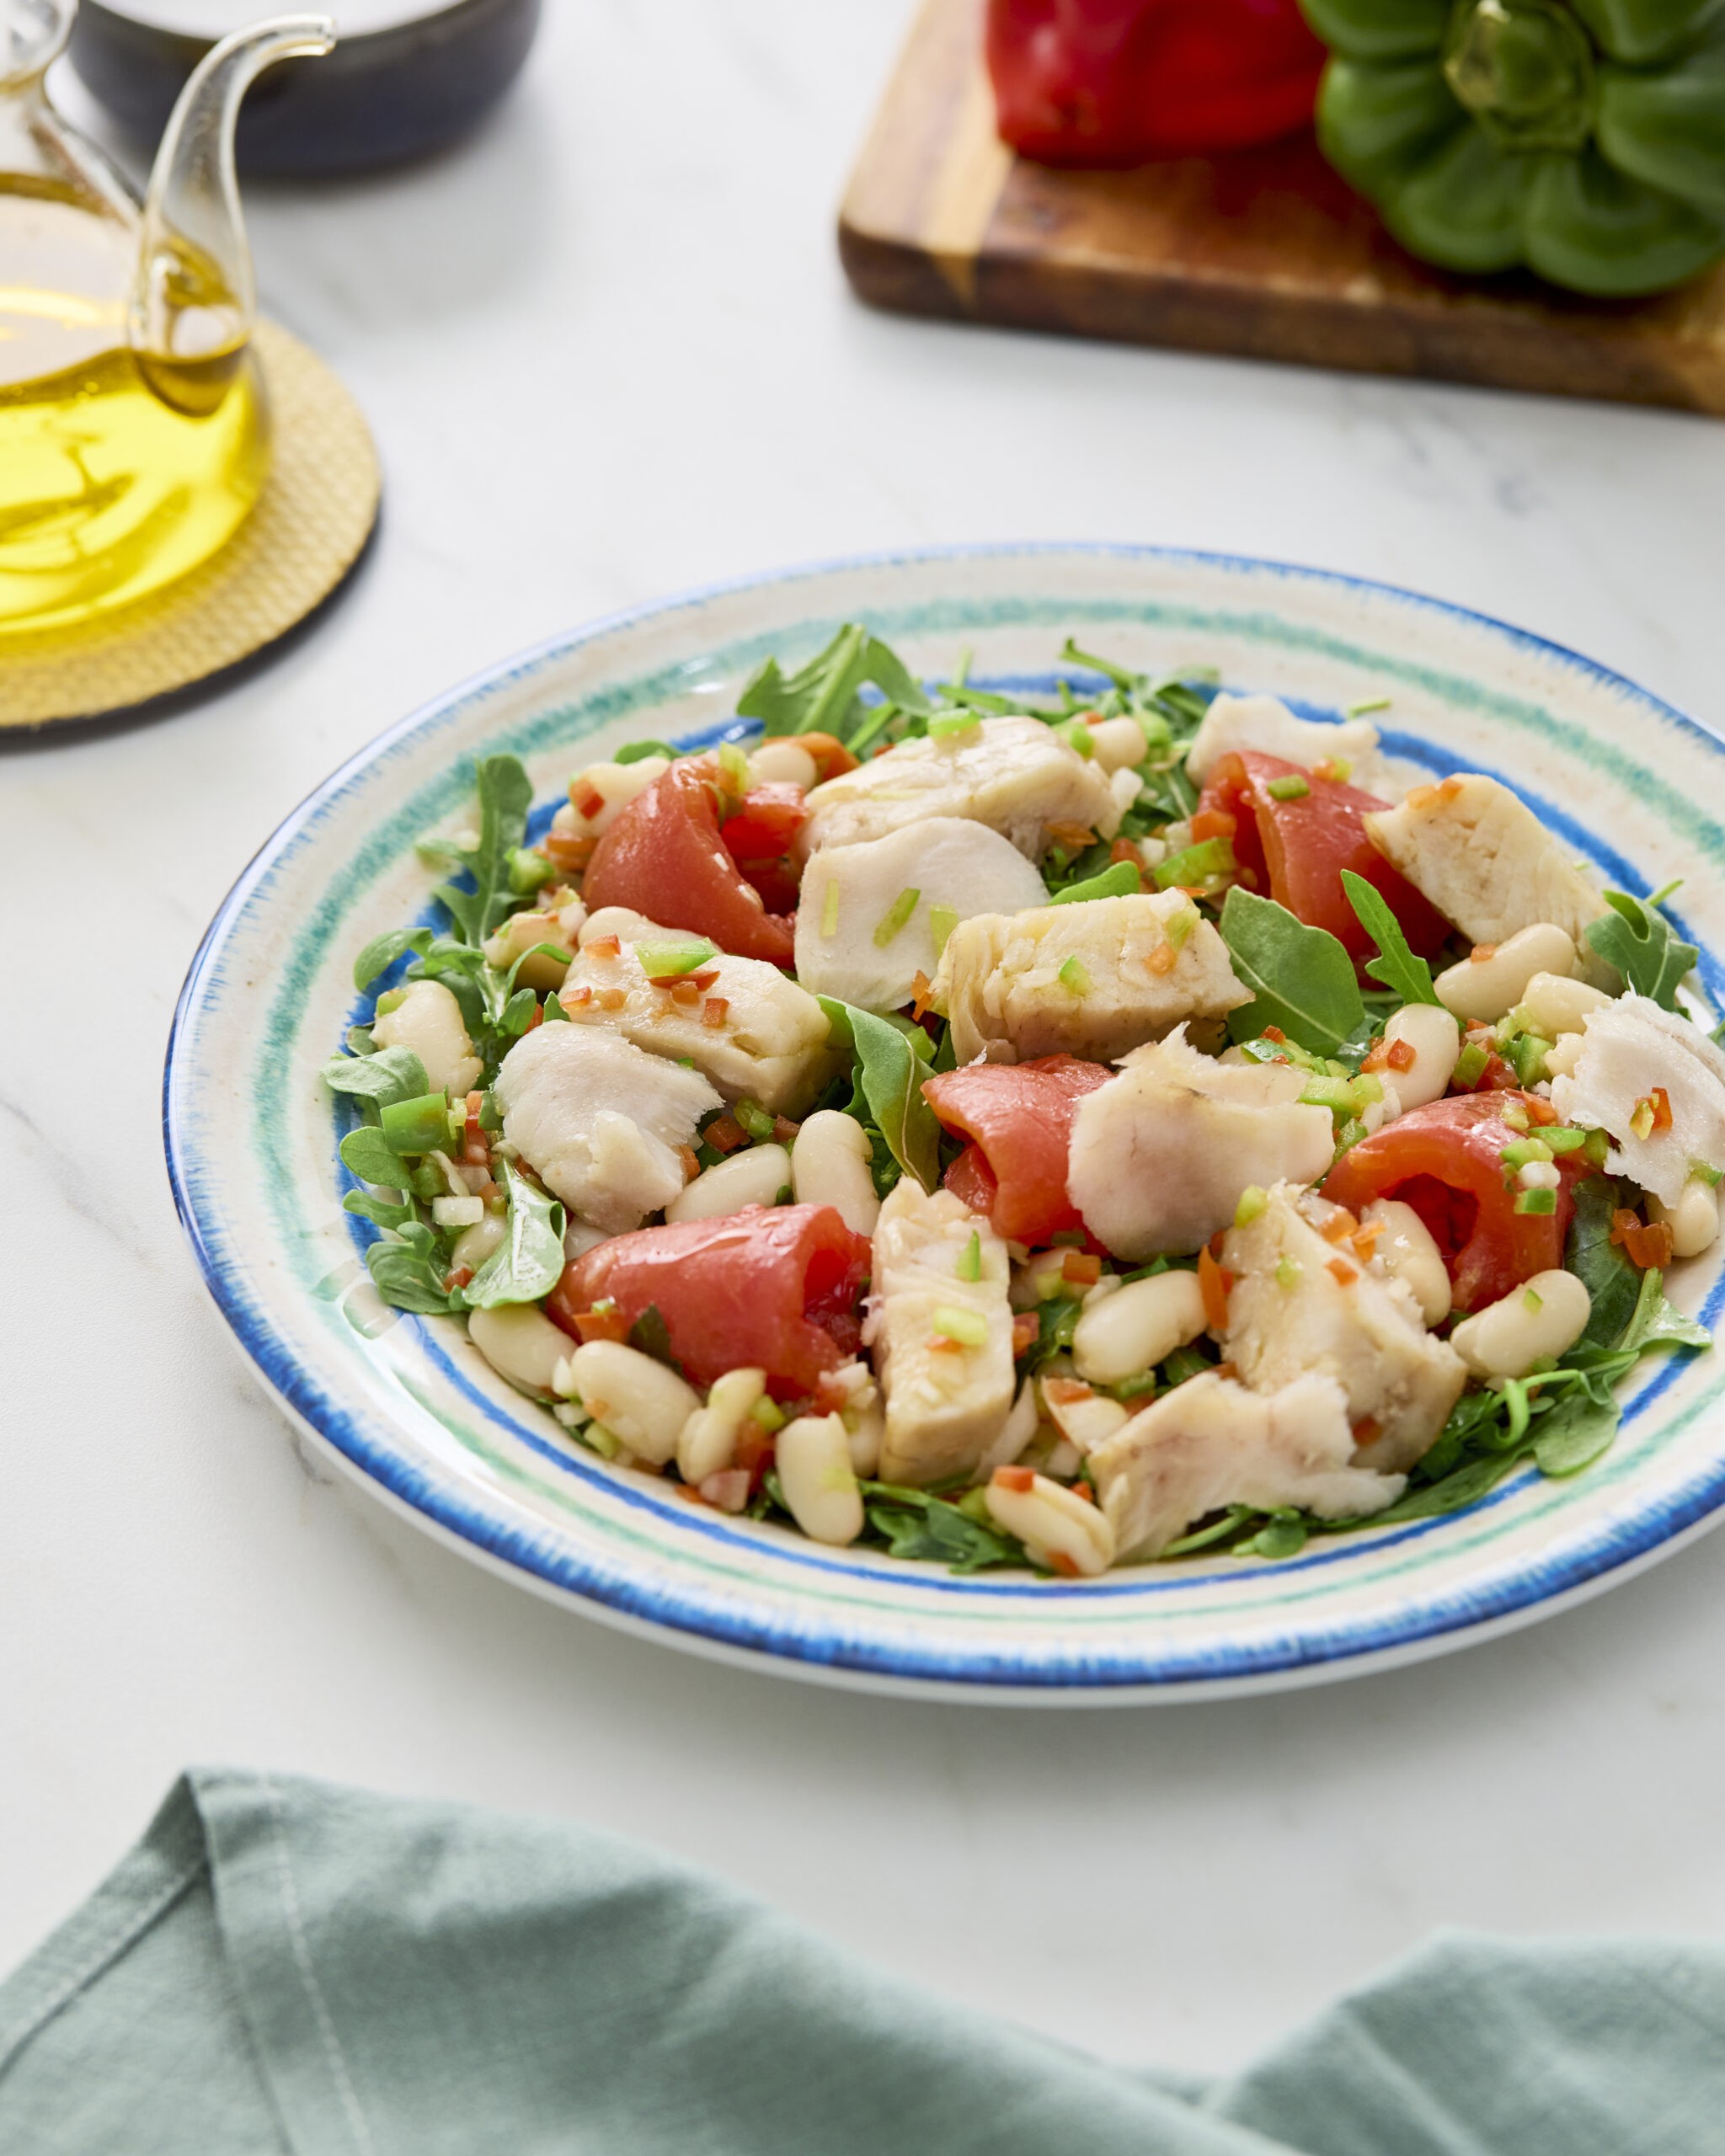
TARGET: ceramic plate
(408,1405)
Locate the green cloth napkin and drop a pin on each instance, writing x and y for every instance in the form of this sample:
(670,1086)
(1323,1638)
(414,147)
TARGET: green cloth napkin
(284,1968)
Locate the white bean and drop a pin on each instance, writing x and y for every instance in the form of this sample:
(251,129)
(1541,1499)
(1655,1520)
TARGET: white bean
(755,1178)
(428,1020)
(1693,1220)
(457,1212)
(1409,1253)
(867,1427)
(1562,1056)
(1118,743)
(615,785)
(1554,1005)
(707,1443)
(783,763)
(520,1343)
(1435,1039)
(1545,1316)
(829,1166)
(1015,1433)
(813,1459)
(634,1397)
(622,922)
(1085,1419)
(522,932)
(1479,990)
(1052,1522)
(475,1244)
(1138,1326)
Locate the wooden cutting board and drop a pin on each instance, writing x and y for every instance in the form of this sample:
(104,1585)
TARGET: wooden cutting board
(1263,253)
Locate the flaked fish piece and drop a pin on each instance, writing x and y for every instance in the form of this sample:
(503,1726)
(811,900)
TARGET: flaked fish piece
(1302,1302)
(601,1121)
(1265,724)
(1628,1048)
(941,1340)
(1093,978)
(1486,863)
(1161,1155)
(1016,775)
(1210,1442)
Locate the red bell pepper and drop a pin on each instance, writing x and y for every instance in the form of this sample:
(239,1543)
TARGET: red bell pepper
(1117,82)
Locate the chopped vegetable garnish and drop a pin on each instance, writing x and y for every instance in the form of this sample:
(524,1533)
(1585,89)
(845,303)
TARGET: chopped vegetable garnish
(1075,975)
(895,917)
(1291,788)
(969,1265)
(969,1328)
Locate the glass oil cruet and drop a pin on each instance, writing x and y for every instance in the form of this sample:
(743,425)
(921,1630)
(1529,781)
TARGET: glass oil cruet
(133,433)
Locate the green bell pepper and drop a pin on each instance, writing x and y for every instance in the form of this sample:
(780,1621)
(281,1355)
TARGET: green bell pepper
(1583,138)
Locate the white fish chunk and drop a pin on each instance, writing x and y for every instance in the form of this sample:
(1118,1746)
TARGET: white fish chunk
(1160,1154)
(1210,1442)
(1093,978)
(1016,775)
(947,1402)
(601,1120)
(772,1047)
(1300,1304)
(1265,724)
(1486,863)
(848,891)
(1627,1048)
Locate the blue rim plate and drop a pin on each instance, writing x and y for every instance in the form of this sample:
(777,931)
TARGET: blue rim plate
(407,1407)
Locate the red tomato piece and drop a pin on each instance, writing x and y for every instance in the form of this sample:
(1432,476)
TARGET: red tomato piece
(1020,1117)
(772,1288)
(758,835)
(1445,1161)
(1298,849)
(665,856)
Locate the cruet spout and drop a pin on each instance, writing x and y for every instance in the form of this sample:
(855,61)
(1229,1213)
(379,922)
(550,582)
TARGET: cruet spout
(31,34)
(195,296)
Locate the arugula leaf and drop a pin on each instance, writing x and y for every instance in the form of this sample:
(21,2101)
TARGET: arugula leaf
(385,1075)
(410,1272)
(1121,676)
(1602,1266)
(1657,1322)
(821,697)
(368,1154)
(381,953)
(1575,1434)
(528,1262)
(1636,938)
(379,1211)
(1466,1486)
(1395,965)
(889,1074)
(1119,881)
(1284,1535)
(632,752)
(506,795)
(1301,978)
(914,1524)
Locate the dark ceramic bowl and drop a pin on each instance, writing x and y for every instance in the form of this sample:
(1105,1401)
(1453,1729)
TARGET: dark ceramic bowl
(380,98)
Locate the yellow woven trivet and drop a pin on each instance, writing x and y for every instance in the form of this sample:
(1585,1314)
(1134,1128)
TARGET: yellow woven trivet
(308,529)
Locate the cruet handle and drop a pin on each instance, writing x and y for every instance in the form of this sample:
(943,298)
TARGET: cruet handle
(195,296)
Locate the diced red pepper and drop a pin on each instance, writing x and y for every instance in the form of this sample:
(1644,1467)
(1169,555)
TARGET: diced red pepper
(1300,848)
(1118,82)
(1020,1117)
(774,1288)
(665,856)
(1446,1161)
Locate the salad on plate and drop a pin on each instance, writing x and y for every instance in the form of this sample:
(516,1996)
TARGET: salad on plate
(1007,1132)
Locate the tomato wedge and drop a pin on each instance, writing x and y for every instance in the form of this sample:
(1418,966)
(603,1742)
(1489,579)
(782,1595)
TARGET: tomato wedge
(1299,848)
(757,835)
(1020,1117)
(772,1288)
(665,856)
(1445,1161)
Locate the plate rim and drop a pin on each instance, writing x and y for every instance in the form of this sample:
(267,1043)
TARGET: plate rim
(461,1521)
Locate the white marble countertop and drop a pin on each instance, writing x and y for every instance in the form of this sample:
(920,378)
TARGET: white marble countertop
(608,352)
